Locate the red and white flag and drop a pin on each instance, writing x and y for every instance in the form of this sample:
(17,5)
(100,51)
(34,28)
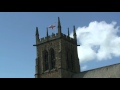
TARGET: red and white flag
(52,26)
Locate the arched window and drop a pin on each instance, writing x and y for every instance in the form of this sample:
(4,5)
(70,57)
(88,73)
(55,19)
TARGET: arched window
(70,59)
(46,65)
(67,59)
(52,58)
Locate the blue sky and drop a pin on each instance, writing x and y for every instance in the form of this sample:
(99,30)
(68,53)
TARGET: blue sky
(17,36)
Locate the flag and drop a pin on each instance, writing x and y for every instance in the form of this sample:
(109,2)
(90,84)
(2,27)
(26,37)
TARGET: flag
(52,26)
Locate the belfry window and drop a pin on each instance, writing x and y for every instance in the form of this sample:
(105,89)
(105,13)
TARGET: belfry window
(46,65)
(52,58)
(67,59)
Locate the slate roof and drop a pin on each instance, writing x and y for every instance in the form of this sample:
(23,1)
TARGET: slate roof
(111,71)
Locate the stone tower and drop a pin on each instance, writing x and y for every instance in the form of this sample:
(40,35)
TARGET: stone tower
(56,55)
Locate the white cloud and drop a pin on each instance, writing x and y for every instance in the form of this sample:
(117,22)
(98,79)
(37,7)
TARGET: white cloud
(98,40)
(84,67)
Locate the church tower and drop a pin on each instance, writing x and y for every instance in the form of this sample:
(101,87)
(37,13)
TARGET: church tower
(57,55)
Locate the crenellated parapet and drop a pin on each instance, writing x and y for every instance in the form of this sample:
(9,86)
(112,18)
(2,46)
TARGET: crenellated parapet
(49,37)
(66,37)
(56,36)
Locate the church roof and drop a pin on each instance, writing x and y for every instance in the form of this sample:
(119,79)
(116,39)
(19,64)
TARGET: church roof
(111,71)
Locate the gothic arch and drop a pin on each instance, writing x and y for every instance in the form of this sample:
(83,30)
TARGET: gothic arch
(52,58)
(67,58)
(45,60)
